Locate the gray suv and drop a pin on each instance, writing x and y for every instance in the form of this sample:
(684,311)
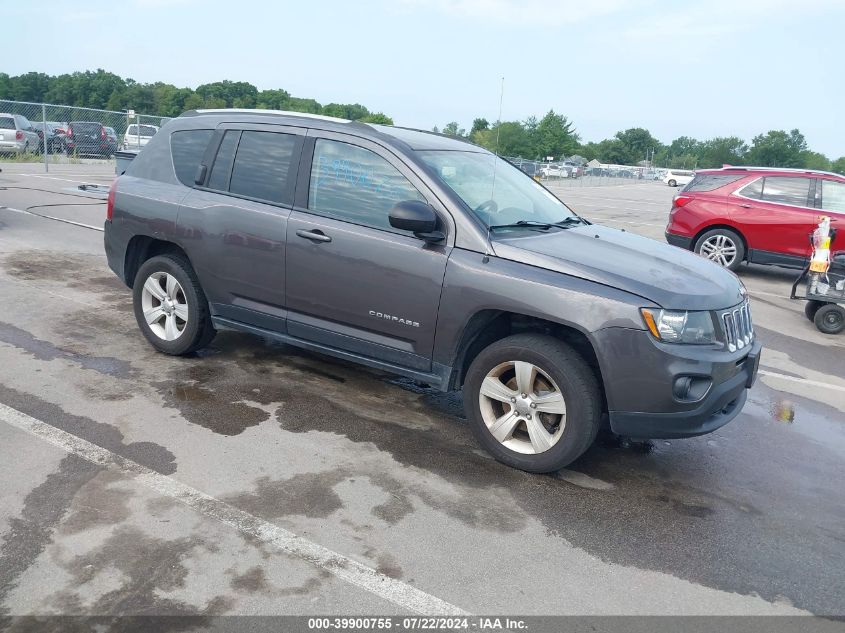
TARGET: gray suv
(431,258)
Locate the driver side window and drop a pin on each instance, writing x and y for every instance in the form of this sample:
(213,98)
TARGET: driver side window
(356,185)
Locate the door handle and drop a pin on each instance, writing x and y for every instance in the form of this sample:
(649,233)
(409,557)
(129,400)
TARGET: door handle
(745,205)
(315,236)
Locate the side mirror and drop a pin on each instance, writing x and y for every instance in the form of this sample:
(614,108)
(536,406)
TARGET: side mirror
(417,217)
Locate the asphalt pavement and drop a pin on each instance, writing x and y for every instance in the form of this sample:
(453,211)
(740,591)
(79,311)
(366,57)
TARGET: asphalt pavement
(254,478)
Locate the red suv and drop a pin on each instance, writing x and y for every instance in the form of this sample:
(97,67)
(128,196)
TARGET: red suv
(761,215)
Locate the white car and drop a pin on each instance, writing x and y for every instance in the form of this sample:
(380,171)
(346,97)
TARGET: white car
(554,171)
(138,135)
(17,135)
(675,177)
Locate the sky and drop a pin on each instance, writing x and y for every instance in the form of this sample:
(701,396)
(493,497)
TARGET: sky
(700,68)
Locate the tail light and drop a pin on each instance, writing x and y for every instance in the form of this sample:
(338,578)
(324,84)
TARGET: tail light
(18,135)
(69,130)
(110,203)
(681,201)
(103,133)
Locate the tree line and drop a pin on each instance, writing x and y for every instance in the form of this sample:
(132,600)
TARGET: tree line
(106,91)
(534,138)
(554,135)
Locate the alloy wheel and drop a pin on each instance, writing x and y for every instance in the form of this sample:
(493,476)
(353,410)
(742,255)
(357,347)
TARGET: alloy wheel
(164,306)
(522,407)
(720,249)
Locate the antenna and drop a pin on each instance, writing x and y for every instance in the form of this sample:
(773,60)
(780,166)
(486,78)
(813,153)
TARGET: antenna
(495,162)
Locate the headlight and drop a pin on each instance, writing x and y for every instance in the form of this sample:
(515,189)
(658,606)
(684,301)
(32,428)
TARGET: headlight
(678,326)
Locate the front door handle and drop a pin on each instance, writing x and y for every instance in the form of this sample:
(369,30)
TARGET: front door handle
(745,205)
(315,236)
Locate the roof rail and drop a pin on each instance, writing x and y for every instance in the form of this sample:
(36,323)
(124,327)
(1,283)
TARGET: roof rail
(797,170)
(259,111)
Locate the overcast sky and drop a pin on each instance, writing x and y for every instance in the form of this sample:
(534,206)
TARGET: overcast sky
(701,68)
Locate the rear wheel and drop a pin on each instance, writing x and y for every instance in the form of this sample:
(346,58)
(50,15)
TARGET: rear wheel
(672,183)
(170,306)
(722,246)
(810,309)
(830,318)
(532,402)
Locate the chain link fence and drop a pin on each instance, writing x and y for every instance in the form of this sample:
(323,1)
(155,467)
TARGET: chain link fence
(56,134)
(566,173)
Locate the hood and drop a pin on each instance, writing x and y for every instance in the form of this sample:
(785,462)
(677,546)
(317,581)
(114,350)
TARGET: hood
(671,277)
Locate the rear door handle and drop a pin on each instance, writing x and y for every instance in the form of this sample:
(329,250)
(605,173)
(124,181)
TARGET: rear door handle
(315,236)
(745,205)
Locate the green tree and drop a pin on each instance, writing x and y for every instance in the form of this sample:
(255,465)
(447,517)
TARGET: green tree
(815,160)
(554,136)
(777,148)
(638,144)
(727,150)
(453,129)
(479,125)
(377,117)
(838,165)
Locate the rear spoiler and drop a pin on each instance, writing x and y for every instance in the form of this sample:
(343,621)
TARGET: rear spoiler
(122,160)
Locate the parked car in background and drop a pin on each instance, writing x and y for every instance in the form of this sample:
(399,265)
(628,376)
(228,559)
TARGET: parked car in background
(56,133)
(531,168)
(757,214)
(112,136)
(138,135)
(554,171)
(675,177)
(403,250)
(17,135)
(88,138)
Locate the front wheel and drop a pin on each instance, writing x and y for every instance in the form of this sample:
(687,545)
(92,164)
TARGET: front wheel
(170,305)
(722,246)
(532,402)
(830,319)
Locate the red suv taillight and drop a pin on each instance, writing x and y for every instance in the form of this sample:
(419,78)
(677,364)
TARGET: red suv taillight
(681,201)
(110,203)
(18,135)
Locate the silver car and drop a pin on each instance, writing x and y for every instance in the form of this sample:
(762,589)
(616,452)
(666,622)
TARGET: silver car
(17,135)
(138,135)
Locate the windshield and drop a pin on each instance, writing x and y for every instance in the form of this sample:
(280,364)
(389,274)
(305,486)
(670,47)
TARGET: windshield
(511,198)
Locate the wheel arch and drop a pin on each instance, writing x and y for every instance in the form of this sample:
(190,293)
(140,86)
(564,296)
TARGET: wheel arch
(485,327)
(143,247)
(722,225)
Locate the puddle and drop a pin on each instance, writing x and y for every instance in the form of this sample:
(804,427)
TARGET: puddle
(783,411)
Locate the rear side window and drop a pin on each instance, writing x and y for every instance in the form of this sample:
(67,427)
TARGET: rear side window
(187,148)
(754,190)
(7,123)
(262,164)
(707,182)
(833,195)
(356,185)
(145,130)
(785,190)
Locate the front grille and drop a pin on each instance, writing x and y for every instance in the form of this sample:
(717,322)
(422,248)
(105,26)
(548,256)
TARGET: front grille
(739,331)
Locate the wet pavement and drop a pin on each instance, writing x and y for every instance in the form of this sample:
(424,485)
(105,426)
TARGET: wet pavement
(381,471)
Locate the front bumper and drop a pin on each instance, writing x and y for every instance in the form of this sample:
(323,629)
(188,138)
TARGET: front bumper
(640,373)
(679,240)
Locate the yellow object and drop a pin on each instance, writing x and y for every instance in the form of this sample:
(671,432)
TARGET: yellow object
(649,321)
(819,267)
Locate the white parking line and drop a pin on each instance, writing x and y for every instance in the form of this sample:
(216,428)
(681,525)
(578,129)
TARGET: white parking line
(92,176)
(347,569)
(803,381)
(50,217)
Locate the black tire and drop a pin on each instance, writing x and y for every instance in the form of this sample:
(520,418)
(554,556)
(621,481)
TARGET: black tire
(574,378)
(672,183)
(198,330)
(810,309)
(727,233)
(830,318)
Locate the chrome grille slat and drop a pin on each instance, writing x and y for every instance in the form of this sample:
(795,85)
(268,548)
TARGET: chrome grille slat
(739,330)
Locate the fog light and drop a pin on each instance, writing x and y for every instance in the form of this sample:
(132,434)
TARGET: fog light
(690,388)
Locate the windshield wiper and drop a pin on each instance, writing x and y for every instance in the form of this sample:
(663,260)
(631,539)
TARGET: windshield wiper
(528,224)
(571,221)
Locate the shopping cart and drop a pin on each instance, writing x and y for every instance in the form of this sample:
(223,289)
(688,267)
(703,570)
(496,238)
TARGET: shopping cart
(824,293)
